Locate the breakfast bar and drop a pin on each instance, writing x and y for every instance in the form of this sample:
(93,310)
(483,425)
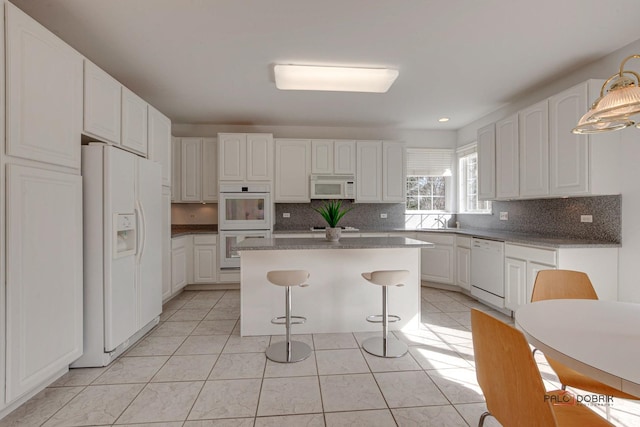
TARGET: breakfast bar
(338,298)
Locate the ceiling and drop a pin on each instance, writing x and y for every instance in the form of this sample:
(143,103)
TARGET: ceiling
(211,61)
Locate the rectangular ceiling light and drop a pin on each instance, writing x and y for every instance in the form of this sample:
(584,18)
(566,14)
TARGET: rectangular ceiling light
(340,79)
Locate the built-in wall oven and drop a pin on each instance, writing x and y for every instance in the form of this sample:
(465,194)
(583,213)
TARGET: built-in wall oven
(244,211)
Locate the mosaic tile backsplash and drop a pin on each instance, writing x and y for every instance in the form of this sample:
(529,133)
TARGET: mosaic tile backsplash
(555,217)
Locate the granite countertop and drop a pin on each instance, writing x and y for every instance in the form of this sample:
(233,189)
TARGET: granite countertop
(505,236)
(182,229)
(312,243)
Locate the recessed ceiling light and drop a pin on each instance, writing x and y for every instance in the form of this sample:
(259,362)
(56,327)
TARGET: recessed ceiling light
(443,119)
(340,79)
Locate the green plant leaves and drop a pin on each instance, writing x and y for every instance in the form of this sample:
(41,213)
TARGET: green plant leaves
(332,212)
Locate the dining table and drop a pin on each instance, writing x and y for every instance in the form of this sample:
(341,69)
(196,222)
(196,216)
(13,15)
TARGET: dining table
(600,339)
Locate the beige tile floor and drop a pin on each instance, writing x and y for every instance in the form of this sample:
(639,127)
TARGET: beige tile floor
(194,370)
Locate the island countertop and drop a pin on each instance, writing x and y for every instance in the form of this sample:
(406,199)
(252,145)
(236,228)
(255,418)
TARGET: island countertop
(344,243)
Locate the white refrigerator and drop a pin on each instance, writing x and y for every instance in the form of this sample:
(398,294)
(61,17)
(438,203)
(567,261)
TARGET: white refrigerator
(122,210)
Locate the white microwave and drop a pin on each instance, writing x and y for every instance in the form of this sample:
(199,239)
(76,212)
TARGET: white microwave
(333,187)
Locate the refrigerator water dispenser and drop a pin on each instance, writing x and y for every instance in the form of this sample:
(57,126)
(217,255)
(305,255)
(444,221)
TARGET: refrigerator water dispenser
(125,235)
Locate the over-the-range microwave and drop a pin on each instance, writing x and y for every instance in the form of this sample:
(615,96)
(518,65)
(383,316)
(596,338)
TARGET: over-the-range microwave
(333,187)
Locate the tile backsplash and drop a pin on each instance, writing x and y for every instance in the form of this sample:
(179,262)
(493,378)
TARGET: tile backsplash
(194,213)
(555,217)
(365,216)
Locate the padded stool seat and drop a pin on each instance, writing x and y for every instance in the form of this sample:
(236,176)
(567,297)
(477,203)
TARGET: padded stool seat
(288,351)
(385,346)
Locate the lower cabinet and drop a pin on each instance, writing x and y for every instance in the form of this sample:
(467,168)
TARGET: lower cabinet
(437,263)
(205,255)
(43,289)
(463,262)
(180,248)
(166,243)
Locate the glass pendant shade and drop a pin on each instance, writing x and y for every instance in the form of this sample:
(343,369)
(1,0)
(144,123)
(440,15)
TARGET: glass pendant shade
(588,124)
(618,104)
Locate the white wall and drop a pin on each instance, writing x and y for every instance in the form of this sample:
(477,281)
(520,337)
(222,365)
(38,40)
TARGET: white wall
(629,281)
(413,138)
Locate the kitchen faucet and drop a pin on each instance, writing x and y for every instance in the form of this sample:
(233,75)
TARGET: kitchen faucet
(441,221)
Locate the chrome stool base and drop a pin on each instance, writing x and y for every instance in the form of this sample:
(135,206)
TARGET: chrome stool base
(297,351)
(381,347)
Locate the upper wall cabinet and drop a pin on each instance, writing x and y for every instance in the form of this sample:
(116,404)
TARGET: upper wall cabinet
(293,166)
(159,142)
(580,164)
(245,157)
(507,158)
(44,93)
(102,104)
(393,172)
(534,150)
(380,172)
(333,157)
(487,162)
(195,170)
(134,122)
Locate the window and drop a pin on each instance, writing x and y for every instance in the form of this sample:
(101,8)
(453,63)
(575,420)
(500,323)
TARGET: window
(468,182)
(428,179)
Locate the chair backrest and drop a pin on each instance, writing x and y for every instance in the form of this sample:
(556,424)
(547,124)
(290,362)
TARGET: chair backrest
(508,374)
(562,284)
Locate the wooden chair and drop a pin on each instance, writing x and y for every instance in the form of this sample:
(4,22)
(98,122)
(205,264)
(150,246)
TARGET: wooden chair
(511,383)
(568,284)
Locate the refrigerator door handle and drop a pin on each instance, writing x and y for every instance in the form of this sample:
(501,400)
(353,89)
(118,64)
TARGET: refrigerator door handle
(142,230)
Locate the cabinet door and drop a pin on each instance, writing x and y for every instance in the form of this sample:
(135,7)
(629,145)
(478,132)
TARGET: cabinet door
(102,104)
(205,267)
(507,158)
(393,172)
(232,156)
(176,169)
(293,166)
(134,122)
(515,273)
(369,171)
(209,170)
(166,243)
(322,156)
(569,153)
(344,157)
(259,157)
(437,264)
(43,93)
(487,162)
(532,273)
(159,142)
(191,173)
(178,268)
(463,268)
(534,150)
(43,288)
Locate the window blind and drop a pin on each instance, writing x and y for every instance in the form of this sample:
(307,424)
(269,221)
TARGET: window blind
(465,150)
(429,162)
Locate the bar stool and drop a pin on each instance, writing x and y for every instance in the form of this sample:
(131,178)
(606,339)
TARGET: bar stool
(385,346)
(288,351)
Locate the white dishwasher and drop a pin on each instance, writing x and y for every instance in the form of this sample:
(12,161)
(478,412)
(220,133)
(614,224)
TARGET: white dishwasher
(487,271)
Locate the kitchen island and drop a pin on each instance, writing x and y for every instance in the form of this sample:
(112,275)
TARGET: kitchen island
(338,299)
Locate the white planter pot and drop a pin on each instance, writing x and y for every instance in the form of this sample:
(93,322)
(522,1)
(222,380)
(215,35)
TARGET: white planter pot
(333,234)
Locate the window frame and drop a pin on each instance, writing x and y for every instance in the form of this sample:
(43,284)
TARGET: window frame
(463,153)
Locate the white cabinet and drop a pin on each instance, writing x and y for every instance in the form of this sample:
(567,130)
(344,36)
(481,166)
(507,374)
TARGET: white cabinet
(487,162)
(180,248)
(393,172)
(463,262)
(159,142)
(198,177)
(515,276)
(333,157)
(245,157)
(369,171)
(134,123)
(102,104)
(580,164)
(43,93)
(205,255)
(176,169)
(534,150)
(44,289)
(507,158)
(437,263)
(166,243)
(293,166)
(522,264)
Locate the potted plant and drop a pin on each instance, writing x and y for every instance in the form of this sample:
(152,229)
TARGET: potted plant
(332,212)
